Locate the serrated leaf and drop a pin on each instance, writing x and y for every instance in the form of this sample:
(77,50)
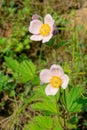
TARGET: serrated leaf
(23,71)
(45,106)
(32,127)
(57,128)
(56,123)
(40,123)
(76,107)
(44,121)
(47,103)
(71,99)
(13,64)
(27,71)
(3,81)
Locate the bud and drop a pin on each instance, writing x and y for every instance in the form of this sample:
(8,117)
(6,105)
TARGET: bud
(35,16)
(55,32)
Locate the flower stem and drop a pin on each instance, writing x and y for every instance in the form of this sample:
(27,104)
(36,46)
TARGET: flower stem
(40,56)
(58,115)
(65,126)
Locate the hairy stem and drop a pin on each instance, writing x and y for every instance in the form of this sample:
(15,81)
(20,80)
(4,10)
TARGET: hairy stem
(65,111)
(58,115)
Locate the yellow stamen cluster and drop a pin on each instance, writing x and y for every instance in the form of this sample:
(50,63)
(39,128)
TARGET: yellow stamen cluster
(55,81)
(45,29)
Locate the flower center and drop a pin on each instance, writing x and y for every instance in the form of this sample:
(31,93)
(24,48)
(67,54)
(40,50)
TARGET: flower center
(45,29)
(55,81)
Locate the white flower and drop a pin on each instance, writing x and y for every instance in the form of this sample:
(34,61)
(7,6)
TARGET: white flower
(55,78)
(42,31)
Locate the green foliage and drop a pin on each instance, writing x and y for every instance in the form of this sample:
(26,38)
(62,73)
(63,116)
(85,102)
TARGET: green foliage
(72,99)
(7,85)
(22,42)
(57,128)
(47,104)
(3,82)
(25,70)
(17,39)
(3,42)
(39,123)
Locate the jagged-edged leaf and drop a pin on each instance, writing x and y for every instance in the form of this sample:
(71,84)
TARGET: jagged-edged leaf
(45,106)
(3,81)
(25,70)
(58,128)
(39,123)
(12,63)
(71,99)
(76,107)
(46,103)
(32,126)
(57,123)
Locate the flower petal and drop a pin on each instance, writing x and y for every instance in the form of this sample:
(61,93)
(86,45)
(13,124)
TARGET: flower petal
(57,70)
(54,66)
(50,90)
(45,75)
(47,38)
(65,80)
(49,20)
(36,37)
(35,26)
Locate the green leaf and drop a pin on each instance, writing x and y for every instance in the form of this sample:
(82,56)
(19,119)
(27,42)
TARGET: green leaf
(61,43)
(56,124)
(76,107)
(23,71)
(57,128)
(72,99)
(27,70)
(32,127)
(3,81)
(72,122)
(13,64)
(44,121)
(47,104)
(40,123)
(12,93)
(50,43)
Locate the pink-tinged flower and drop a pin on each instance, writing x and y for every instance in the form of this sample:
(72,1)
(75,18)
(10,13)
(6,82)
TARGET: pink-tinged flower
(55,78)
(42,31)
(35,16)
